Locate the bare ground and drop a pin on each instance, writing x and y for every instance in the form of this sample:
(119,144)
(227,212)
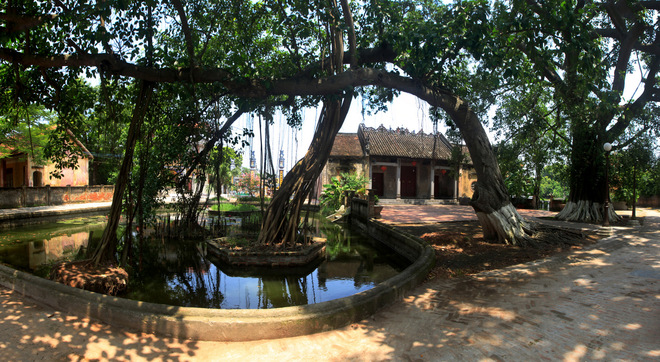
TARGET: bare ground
(461,249)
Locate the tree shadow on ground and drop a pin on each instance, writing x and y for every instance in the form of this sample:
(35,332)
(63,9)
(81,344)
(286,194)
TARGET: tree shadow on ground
(585,304)
(597,303)
(31,331)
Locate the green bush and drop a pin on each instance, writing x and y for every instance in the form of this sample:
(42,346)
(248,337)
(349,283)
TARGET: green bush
(333,193)
(252,199)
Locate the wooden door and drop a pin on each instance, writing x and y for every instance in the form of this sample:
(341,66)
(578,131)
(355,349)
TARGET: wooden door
(408,181)
(443,185)
(378,183)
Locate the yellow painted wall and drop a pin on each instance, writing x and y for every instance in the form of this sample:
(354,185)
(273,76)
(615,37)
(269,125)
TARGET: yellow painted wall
(468,176)
(20,165)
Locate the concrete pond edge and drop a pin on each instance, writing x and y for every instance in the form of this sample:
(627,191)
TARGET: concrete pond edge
(234,324)
(38,215)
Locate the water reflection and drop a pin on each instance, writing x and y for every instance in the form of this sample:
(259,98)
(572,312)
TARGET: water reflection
(28,248)
(56,248)
(184,275)
(180,273)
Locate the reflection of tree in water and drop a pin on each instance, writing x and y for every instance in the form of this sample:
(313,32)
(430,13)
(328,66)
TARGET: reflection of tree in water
(338,241)
(277,292)
(176,272)
(346,259)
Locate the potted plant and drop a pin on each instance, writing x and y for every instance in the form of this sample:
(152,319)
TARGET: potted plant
(377,208)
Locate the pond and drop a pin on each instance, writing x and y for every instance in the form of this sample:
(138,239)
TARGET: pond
(180,273)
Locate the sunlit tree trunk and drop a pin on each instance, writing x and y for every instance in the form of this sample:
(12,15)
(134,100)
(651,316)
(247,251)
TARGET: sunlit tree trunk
(498,217)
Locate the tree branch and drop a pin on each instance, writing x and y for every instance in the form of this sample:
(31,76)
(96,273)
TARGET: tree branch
(348,17)
(238,86)
(117,66)
(186,31)
(614,12)
(625,51)
(247,87)
(633,138)
(633,109)
(208,146)
(19,23)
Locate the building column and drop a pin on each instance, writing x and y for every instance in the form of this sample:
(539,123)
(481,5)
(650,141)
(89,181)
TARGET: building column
(371,174)
(398,179)
(456,184)
(432,183)
(28,166)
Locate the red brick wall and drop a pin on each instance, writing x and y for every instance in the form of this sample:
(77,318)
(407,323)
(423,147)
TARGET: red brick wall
(41,196)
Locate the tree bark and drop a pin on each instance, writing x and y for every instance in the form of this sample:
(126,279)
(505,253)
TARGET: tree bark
(282,217)
(588,187)
(106,251)
(498,217)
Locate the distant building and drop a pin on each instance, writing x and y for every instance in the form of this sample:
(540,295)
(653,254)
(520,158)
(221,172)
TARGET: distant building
(400,164)
(19,169)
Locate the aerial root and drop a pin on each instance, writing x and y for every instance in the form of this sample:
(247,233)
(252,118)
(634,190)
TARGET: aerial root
(507,226)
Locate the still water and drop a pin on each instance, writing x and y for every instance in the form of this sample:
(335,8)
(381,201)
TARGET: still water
(180,273)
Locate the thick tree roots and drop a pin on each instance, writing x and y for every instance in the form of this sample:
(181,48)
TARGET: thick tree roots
(552,235)
(506,226)
(84,275)
(586,211)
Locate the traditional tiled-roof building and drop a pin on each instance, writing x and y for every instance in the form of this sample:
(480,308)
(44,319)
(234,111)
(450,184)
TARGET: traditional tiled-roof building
(400,164)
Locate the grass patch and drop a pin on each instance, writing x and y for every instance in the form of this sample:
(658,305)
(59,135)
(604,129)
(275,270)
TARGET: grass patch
(233,208)
(252,199)
(240,241)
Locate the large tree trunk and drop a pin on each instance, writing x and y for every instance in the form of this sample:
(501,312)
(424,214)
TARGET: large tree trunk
(498,217)
(536,192)
(106,251)
(282,217)
(588,187)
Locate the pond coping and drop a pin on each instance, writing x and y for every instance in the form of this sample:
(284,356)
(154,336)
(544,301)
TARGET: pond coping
(230,324)
(10,218)
(260,258)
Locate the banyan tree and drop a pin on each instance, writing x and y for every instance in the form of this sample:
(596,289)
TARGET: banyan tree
(260,55)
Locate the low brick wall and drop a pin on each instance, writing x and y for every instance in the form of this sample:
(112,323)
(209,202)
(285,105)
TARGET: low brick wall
(16,197)
(239,257)
(653,201)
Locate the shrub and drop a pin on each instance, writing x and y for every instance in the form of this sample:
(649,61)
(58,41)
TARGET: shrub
(333,193)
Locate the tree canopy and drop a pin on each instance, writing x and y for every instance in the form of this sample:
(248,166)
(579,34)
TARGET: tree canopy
(570,65)
(188,64)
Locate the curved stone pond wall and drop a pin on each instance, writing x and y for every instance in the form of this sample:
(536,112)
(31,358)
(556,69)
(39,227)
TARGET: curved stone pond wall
(232,324)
